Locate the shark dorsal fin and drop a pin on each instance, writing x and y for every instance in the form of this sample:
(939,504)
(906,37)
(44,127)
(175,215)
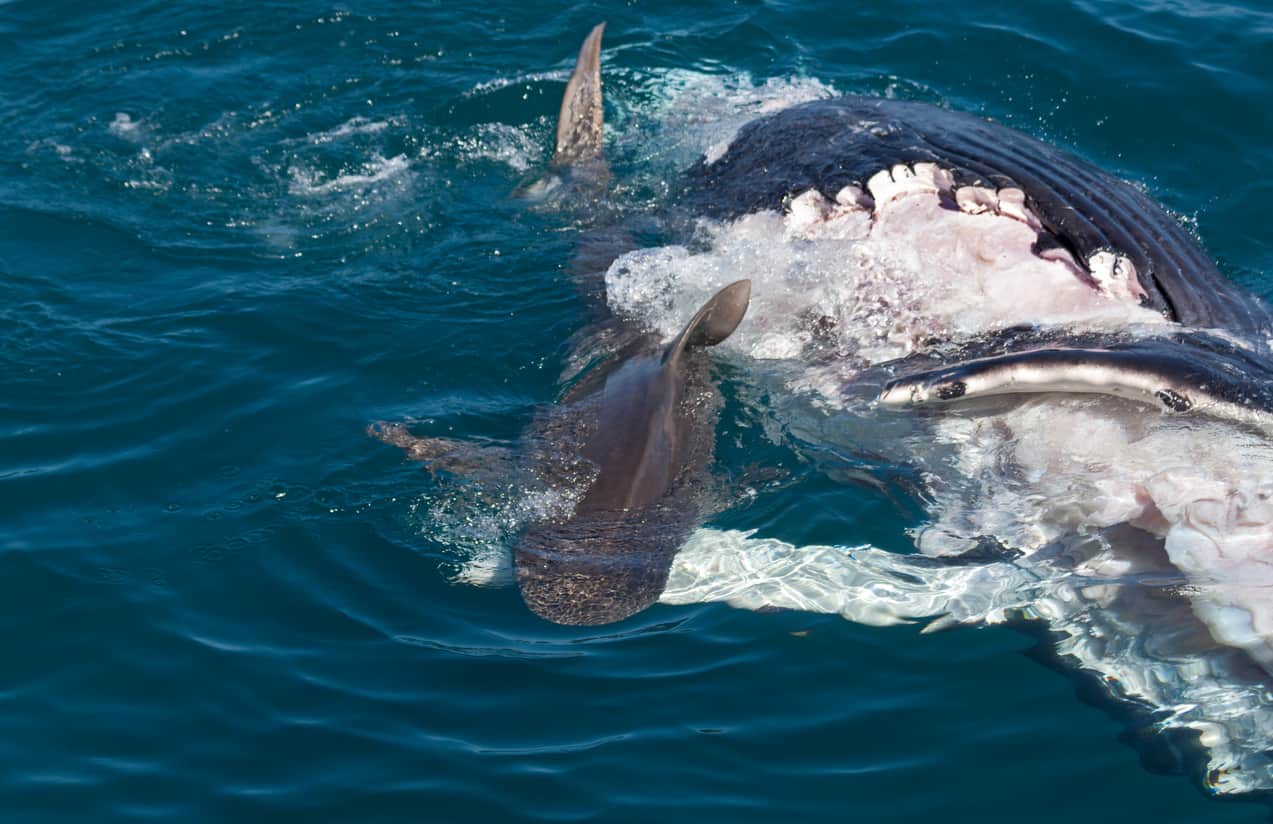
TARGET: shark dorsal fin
(715,321)
(579,124)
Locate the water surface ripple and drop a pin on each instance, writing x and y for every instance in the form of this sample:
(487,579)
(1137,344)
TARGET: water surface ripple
(233,234)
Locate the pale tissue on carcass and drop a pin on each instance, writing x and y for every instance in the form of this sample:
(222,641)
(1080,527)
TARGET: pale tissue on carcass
(1094,464)
(902,181)
(1115,275)
(873,275)
(1124,635)
(811,216)
(1221,536)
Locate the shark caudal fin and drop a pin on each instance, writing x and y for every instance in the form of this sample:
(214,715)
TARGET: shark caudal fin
(579,125)
(715,321)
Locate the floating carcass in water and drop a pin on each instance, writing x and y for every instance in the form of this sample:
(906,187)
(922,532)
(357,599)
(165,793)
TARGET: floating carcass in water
(1067,376)
(1079,388)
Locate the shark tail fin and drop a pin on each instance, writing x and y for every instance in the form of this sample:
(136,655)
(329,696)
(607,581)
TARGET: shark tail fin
(715,321)
(579,125)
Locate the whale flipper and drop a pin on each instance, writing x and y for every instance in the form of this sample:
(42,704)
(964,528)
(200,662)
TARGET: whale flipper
(579,124)
(1174,374)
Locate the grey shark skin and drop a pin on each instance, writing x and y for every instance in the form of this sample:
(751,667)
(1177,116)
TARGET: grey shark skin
(643,427)
(577,162)
(580,122)
(633,441)
(649,439)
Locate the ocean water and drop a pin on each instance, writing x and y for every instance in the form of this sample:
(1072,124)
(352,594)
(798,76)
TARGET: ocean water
(233,235)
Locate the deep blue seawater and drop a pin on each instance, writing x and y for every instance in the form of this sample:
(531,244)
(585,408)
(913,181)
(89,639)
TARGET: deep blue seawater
(233,234)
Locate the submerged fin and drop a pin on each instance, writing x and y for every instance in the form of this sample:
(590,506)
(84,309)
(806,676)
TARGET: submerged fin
(441,454)
(1167,373)
(715,321)
(579,125)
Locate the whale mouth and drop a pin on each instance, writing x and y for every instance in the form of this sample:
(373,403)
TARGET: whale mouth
(865,275)
(910,199)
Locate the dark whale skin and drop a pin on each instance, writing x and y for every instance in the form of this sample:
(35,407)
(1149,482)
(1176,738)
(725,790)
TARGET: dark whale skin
(828,144)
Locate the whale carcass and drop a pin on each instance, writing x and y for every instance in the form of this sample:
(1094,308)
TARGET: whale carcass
(1081,400)
(1075,393)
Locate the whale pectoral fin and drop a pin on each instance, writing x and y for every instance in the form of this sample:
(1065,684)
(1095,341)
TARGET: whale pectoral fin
(1168,373)
(1082,371)
(715,321)
(579,125)
(441,454)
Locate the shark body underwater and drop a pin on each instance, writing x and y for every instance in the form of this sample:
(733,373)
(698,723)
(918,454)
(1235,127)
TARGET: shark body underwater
(1091,394)
(631,442)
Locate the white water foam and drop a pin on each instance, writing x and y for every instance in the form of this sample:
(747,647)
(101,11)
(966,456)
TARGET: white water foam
(695,114)
(351,127)
(504,82)
(712,108)
(308,183)
(124,127)
(520,148)
(513,146)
